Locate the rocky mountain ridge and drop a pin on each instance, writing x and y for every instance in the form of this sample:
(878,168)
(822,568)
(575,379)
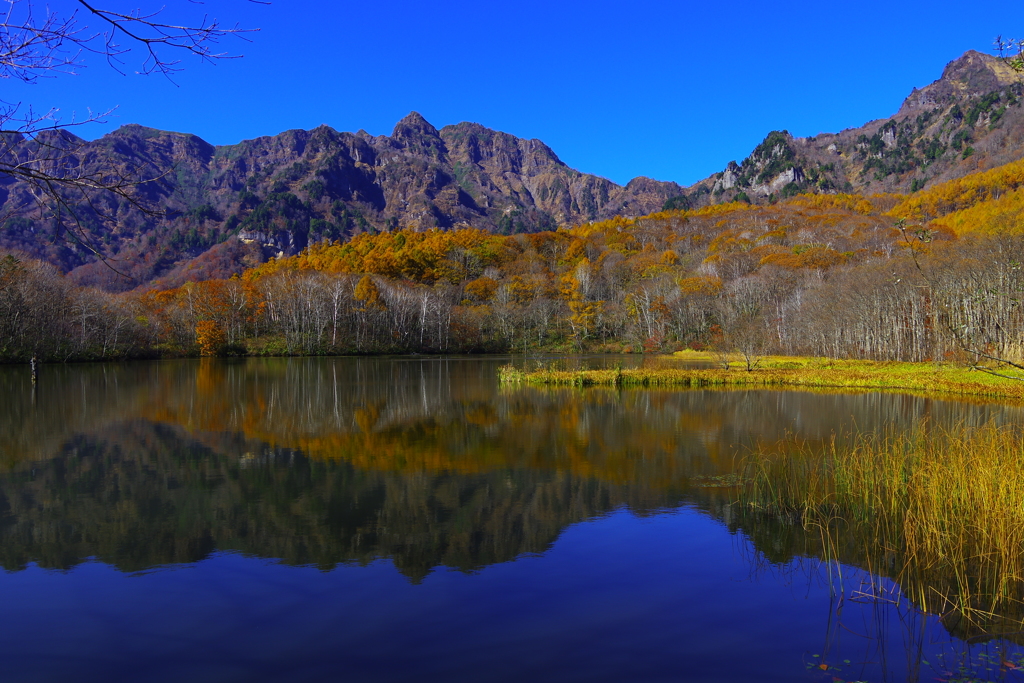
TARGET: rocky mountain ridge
(970,119)
(222,208)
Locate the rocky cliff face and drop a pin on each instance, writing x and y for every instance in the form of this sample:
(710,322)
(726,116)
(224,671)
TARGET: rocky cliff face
(286,191)
(968,120)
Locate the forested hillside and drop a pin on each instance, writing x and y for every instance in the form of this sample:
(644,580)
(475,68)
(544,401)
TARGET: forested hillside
(319,242)
(841,275)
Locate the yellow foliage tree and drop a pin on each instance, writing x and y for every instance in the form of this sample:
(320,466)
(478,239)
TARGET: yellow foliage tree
(700,285)
(582,313)
(482,288)
(368,294)
(961,193)
(211,337)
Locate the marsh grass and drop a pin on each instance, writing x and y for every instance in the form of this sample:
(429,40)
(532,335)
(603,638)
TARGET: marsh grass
(780,371)
(941,510)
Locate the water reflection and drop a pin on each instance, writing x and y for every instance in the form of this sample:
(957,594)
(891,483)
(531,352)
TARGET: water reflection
(428,463)
(450,412)
(424,461)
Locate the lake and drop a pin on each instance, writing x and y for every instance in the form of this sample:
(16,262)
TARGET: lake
(397,519)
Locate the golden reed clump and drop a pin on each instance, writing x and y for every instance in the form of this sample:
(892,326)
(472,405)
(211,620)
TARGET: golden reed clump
(940,508)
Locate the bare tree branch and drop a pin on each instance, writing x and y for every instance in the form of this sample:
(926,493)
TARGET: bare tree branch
(149,31)
(37,150)
(973,344)
(1011,50)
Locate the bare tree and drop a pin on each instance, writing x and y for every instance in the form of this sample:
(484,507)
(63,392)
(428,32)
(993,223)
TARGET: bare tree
(742,315)
(37,147)
(978,302)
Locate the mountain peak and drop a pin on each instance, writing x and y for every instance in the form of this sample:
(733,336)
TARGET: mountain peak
(136,130)
(413,125)
(972,74)
(976,70)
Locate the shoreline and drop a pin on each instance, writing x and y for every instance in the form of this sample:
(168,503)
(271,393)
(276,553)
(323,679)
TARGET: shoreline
(786,371)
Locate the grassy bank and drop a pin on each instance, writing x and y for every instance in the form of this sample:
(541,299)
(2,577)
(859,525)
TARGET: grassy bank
(780,371)
(941,510)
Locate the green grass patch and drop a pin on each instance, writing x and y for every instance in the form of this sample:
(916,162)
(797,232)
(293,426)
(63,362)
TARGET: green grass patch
(782,371)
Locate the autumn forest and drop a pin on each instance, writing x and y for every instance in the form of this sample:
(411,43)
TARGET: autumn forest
(930,275)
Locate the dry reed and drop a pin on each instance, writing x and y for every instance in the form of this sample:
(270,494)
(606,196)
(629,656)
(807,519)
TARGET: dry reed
(941,509)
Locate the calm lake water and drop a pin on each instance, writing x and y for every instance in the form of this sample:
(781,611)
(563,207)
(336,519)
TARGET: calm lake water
(407,519)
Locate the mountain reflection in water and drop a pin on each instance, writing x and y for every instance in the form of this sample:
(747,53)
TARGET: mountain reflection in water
(325,461)
(425,462)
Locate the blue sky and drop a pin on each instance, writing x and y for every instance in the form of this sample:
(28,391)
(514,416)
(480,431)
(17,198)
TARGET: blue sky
(670,90)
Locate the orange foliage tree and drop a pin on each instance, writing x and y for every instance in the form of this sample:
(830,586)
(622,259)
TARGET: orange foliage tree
(210,337)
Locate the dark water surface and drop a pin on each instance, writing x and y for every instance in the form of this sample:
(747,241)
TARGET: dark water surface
(407,519)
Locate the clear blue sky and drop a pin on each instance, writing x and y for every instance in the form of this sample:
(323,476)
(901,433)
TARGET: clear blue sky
(670,90)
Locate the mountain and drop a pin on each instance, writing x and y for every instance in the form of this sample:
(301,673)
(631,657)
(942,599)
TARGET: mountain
(278,194)
(968,120)
(224,208)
